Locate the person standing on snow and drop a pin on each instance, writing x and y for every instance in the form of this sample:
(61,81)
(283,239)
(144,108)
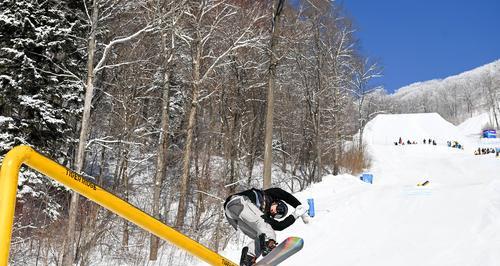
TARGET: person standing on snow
(255,213)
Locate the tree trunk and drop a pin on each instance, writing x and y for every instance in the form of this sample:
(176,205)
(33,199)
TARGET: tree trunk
(200,205)
(252,133)
(317,140)
(181,211)
(217,232)
(268,142)
(161,160)
(336,133)
(89,231)
(316,101)
(361,122)
(233,151)
(68,245)
(283,152)
(125,178)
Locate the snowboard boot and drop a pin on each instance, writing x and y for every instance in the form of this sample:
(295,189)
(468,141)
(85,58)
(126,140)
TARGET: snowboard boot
(266,246)
(246,259)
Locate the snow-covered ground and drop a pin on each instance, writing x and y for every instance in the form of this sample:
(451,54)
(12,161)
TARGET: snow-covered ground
(454,220)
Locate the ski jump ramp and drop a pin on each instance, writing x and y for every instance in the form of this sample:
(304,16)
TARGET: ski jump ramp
(25,155)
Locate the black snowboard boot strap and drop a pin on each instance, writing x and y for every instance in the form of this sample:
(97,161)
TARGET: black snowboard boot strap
(246,260)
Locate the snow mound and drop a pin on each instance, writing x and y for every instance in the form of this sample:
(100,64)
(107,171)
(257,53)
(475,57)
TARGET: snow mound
(385,129)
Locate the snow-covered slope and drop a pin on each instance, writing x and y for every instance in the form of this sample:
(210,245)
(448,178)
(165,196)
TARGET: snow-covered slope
(454,220)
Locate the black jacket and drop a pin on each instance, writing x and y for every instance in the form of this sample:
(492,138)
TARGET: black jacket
(263,199)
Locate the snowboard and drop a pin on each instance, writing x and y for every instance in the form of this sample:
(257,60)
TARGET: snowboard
(284,250)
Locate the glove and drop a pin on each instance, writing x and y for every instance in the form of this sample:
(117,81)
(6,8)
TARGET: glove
(305,218)
(299,211)
(269,246)
(266,246)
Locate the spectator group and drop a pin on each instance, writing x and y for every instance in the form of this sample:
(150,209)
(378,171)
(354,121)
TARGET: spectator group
(484,151)
(408,142)
(455,144)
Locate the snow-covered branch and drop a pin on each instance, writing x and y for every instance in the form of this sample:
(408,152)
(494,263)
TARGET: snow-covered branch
(110,45)
(211,195)
(104,140)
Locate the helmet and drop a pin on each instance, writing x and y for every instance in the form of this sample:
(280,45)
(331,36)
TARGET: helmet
(281,209)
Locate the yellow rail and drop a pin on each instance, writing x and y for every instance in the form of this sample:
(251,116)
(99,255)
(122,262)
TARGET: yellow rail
(26,155)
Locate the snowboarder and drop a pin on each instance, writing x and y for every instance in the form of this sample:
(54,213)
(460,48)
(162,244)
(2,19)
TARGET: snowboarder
(255,213)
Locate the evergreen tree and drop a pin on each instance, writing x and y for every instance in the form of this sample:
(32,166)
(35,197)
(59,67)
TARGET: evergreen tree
(40,91)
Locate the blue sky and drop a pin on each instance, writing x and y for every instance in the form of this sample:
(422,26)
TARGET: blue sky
(426,39)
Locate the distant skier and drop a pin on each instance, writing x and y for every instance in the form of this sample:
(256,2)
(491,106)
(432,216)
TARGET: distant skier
(255,211)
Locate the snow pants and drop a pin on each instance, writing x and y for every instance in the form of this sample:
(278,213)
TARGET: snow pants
(244,215)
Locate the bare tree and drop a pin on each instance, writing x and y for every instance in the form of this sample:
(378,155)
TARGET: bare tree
(492,96)
(68,253)
(340,55)
(205,20)
(169,14)
(468,96)
(364,71)
(273,62)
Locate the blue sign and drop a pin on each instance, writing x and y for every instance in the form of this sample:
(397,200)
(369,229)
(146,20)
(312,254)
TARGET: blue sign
(490,134)
(368,178)
(310,202)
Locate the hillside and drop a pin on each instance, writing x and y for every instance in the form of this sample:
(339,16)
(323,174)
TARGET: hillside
(455,98)
(451,221)
(419,88)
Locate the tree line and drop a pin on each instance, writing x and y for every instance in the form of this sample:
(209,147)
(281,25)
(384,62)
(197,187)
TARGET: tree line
(455,98)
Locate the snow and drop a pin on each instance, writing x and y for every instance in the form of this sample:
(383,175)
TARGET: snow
(386,129)
(12,82)
(475,125)
(15,52)
(5,119)
(454,220)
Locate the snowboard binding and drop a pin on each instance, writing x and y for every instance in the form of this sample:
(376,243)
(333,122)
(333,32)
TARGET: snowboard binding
(246,259)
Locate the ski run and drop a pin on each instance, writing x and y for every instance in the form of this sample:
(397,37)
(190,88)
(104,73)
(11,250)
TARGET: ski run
(453,220)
